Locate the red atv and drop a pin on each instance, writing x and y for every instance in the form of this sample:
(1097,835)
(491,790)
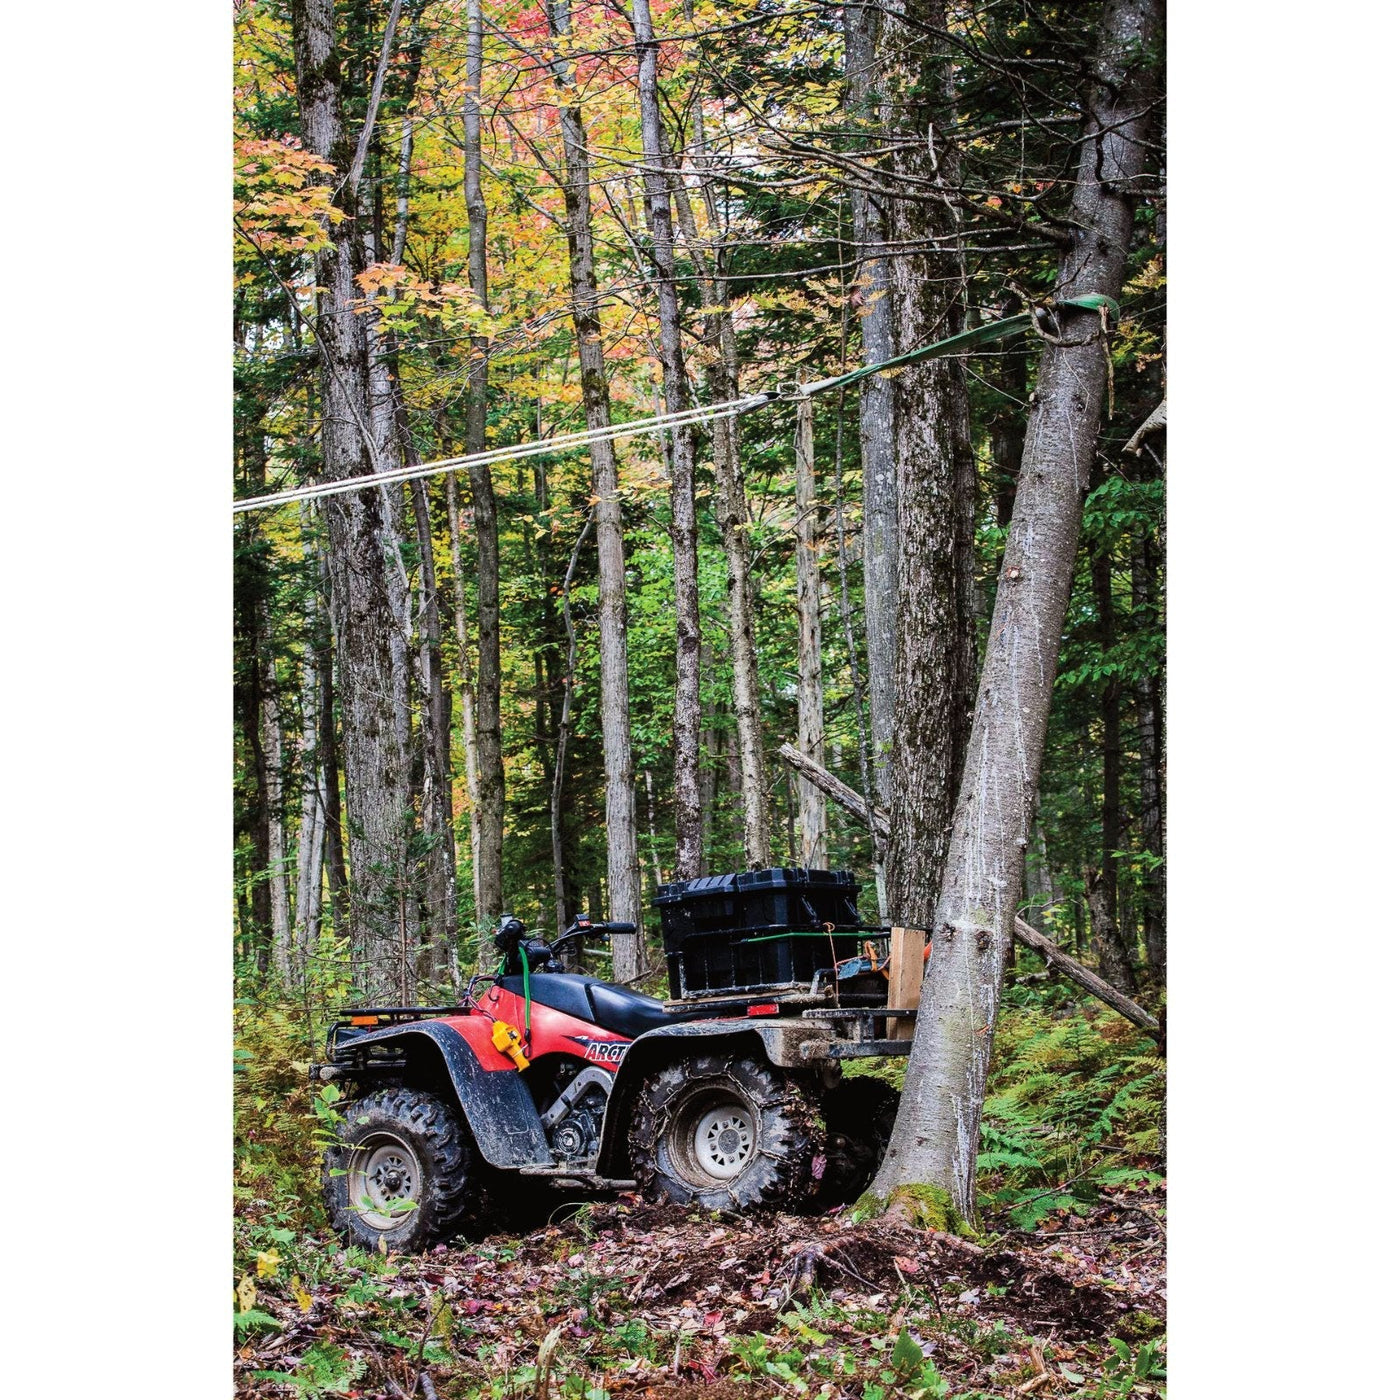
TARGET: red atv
(730,1100)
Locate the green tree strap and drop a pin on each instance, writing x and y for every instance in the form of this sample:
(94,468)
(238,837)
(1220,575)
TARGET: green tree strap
(956,344)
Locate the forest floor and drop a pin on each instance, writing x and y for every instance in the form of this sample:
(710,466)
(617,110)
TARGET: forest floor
(620,1299)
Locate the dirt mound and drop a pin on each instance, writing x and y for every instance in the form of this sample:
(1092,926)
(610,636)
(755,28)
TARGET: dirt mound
(780,1258)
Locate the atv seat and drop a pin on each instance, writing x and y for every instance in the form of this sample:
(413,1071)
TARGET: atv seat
(601,1003)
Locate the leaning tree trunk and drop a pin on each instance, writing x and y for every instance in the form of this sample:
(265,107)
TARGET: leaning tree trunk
(879,497)
(363,599)
(491,776)
(620,806)
(936,1132)
(935,649)
(686,724)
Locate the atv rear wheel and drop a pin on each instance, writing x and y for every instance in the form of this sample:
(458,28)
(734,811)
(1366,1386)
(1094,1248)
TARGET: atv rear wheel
(724,1133)
(859,1116)
(405,1173)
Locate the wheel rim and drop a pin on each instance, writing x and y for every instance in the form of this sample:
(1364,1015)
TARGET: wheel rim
(385,1181)
(713,1138)
(724,1141)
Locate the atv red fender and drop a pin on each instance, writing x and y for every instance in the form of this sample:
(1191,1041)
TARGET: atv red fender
(494,1099)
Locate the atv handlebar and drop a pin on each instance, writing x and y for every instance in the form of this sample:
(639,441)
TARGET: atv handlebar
(582,926)
(514,940)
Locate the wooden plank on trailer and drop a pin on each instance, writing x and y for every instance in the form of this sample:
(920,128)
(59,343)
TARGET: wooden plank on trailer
(906,976)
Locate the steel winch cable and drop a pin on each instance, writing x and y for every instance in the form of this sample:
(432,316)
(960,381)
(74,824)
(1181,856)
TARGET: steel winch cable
(790,391)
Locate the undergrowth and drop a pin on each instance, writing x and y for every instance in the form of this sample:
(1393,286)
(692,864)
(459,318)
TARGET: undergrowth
(1075,1108)
(279,1136)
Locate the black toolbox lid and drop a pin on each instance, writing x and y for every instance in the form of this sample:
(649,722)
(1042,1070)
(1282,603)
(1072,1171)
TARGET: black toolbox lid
(793,877)
(743,881)
(706,886)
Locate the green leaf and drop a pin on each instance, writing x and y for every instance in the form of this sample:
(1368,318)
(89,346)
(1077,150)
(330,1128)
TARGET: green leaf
(907,1357)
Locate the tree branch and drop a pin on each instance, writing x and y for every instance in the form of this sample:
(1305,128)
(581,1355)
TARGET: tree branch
(850,801)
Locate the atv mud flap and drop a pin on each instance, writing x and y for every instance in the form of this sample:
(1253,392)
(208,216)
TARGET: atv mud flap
(496,1103)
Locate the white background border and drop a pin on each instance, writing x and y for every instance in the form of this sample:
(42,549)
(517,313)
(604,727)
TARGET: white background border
(1282,699)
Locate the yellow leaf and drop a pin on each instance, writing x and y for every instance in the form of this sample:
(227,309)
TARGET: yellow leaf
(300,1294)
(247,1293)
(441,1316)
(268,1263)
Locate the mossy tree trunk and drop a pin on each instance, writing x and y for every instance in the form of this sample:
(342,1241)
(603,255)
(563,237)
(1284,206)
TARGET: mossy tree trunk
(936,1133)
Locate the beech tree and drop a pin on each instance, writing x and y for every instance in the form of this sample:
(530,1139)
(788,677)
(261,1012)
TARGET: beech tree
(682,458)
(489,798)
(624,876)
(366,593)
(879,490)
(935,1139)
(935,477)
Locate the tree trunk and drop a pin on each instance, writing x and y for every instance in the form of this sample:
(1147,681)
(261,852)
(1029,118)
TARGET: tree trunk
(620,813)
(811,817)
(1115,959)
(732,511)
(879,497)
(709,767)
(435,729)
(556,791)
(490,804)
(437,961)
(337,879)
(1006,372)
(686,723)
(248,702)
(1148,697)
(364,601)
(279,906)
(311,837)
(935,649)
(651,829)
(1105,937)
(936,1132)
(464,665)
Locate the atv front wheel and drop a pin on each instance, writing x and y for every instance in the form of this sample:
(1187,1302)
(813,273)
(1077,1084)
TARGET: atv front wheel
(404,1174)
(724,1133)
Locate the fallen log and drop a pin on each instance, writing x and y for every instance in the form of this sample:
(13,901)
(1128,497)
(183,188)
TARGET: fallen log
(849,800)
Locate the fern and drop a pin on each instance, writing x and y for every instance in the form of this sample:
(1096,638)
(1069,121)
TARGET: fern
(1070,1100)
